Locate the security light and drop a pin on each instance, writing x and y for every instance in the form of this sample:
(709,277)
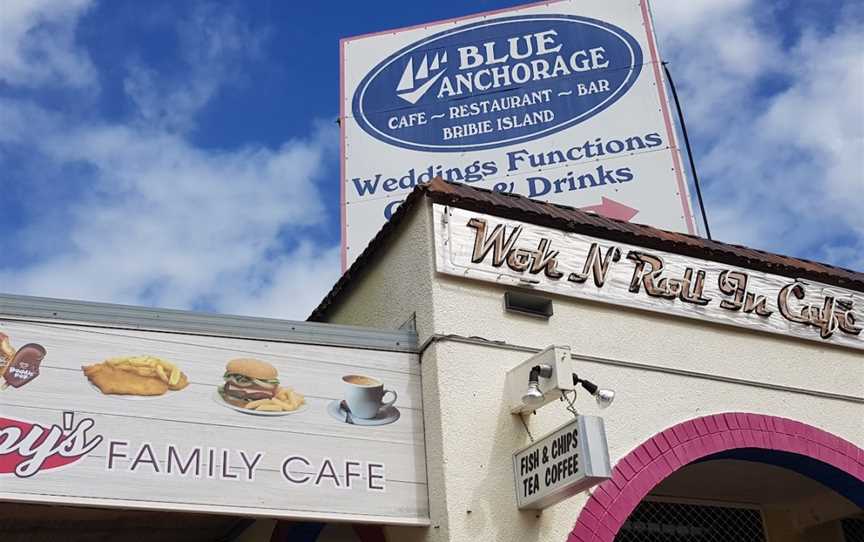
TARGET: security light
(604,397)
(534,397)
(551,375)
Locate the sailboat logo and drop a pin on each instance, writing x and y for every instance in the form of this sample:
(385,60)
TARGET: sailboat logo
(414,85)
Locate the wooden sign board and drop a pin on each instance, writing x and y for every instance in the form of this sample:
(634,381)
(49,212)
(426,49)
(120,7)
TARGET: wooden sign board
(69,438)
(503,251)
(568,460)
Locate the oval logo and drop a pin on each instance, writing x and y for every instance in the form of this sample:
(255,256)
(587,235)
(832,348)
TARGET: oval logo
(496,83)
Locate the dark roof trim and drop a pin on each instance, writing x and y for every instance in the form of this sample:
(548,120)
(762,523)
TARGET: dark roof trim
(108,315)
(566,218)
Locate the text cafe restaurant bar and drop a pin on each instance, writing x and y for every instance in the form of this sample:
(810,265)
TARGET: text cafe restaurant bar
(487,333)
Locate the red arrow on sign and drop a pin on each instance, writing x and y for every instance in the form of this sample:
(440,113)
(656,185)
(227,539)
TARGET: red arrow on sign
(612,209)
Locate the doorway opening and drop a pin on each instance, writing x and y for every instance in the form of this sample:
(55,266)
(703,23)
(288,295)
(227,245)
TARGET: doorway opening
(720,500)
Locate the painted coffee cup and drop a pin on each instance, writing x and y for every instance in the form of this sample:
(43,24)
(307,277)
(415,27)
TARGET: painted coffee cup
(365,395)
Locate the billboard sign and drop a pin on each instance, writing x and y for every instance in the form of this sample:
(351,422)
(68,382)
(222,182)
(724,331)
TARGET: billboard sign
(560,101)
(98,416)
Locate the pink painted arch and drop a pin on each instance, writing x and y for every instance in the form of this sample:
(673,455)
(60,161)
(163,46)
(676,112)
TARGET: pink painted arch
(830,459)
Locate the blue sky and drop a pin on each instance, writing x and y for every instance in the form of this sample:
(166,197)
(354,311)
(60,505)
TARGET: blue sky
(185,154)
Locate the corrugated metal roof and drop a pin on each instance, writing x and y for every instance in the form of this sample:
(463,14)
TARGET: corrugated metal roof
(566,218)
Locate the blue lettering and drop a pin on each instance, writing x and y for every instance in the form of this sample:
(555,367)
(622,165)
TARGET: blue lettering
(407,181)
(538,186)
(654,140)
(624,174)
(391,207)
(390,184)
(514,157)
(605,176)
(366,185)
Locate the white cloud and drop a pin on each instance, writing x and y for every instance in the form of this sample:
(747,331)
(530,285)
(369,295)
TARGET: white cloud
(167,224)
(297,281)
(156,220)
(783,168)
(717,53)
(214,45)
(37,43)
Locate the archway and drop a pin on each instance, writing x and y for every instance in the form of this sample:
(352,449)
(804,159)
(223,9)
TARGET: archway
(808,450)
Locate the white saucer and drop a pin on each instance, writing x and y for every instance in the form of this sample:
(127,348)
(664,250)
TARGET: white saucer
(218,398)
(386,415)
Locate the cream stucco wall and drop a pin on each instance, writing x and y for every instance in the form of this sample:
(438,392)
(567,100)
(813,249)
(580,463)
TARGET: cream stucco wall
(470,435)
(395,284)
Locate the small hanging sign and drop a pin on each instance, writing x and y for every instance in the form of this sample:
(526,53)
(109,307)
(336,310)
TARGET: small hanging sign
(567,461)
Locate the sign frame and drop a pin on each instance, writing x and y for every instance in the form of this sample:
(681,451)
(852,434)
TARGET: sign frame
(592,453)
(665,125)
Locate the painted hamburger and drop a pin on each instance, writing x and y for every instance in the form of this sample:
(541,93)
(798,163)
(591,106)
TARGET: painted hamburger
(248,380)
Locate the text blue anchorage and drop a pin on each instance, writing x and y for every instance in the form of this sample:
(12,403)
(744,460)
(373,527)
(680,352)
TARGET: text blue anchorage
(495,83)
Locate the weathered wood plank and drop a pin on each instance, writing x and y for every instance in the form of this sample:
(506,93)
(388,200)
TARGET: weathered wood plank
(630,280)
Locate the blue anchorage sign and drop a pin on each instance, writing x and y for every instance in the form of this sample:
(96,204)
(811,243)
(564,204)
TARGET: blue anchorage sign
(495,83)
